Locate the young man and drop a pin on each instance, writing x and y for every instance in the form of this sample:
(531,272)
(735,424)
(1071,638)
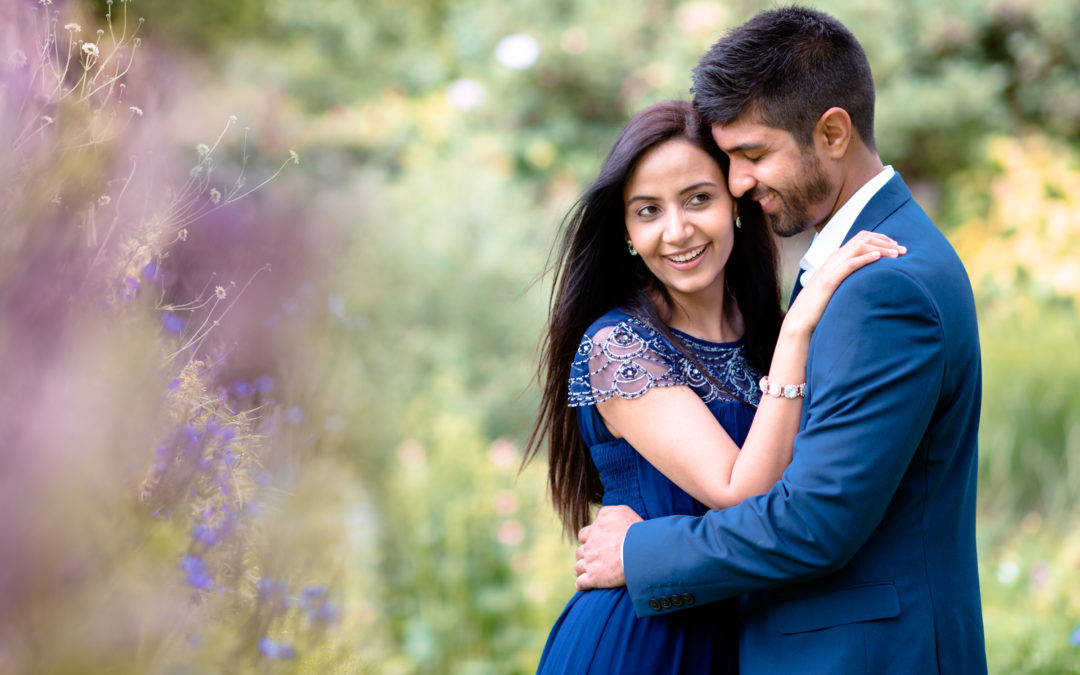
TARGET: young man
(862,558)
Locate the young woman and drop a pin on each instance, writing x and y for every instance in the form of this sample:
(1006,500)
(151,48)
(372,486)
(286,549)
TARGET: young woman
(664,314)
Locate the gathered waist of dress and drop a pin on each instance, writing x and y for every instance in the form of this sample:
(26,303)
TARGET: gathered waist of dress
(617,463)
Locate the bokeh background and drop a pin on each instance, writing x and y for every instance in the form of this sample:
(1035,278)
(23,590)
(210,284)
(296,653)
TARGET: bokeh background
(272,284)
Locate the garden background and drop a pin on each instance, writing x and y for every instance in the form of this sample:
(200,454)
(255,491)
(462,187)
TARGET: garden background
(271,288)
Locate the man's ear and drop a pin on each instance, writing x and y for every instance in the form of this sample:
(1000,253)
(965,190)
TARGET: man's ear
(833,132)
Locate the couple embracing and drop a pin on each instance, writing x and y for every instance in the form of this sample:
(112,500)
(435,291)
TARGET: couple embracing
(780,493)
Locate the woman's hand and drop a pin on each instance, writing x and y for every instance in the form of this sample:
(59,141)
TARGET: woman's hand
(861,250)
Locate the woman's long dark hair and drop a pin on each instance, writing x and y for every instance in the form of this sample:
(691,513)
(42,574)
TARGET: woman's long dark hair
(593,273)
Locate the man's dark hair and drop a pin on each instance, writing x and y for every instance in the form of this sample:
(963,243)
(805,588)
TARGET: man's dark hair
(787,67)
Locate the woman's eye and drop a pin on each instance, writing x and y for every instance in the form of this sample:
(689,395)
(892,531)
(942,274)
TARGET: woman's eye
(648,211)
(698,199)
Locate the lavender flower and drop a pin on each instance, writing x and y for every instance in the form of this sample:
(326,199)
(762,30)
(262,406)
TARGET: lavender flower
(314,601)
(198,574)
(273,649)
(171,323)
(264,384)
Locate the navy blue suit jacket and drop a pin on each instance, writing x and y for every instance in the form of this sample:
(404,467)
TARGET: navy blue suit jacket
(861,559)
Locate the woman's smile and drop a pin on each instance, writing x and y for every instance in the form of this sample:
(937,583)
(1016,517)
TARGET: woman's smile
(687,259)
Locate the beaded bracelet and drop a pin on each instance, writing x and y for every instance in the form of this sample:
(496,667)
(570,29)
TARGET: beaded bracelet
(777,390)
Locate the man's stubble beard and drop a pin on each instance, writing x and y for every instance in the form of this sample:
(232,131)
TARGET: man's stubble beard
(794,215)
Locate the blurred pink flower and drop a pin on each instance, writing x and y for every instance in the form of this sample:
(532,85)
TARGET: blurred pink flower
(511,533)
(503,453)
(411,454)
(506,502)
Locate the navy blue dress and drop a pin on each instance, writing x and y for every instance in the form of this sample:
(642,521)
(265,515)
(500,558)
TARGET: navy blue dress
(598,631)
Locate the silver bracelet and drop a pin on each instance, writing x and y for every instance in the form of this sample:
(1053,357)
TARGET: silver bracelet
(777,390)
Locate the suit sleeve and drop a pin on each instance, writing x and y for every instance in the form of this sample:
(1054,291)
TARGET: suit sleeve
(876,367)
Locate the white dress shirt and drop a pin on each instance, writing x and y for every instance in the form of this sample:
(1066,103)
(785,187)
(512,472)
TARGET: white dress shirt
(832,235)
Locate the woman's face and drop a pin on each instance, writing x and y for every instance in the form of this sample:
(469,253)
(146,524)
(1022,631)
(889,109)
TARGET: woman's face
(679,216)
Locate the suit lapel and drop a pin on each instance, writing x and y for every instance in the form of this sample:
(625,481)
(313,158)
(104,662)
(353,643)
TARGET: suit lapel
(798,287)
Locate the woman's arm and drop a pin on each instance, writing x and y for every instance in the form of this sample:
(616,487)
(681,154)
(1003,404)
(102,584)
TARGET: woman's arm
(674,430)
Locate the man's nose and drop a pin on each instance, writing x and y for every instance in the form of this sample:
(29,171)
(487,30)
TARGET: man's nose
(740,180)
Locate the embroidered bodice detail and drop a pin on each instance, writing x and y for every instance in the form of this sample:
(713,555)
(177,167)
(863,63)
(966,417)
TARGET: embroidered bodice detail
(622,355)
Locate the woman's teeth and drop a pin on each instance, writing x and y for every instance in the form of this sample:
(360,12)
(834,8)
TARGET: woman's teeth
(688,256)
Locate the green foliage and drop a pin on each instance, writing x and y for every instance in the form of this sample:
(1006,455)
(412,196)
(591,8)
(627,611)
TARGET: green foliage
(202,27)
(469,550)
(1020,217)
(1030,433)
(1030,605)
(950,74)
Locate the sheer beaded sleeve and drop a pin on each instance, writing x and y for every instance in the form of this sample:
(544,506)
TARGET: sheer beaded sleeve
(625,359)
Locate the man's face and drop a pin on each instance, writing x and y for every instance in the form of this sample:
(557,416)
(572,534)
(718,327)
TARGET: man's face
(788,180)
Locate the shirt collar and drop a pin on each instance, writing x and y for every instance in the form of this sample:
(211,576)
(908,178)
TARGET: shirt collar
(832,235)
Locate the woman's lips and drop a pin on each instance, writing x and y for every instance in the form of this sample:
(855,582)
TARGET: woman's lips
(688,258)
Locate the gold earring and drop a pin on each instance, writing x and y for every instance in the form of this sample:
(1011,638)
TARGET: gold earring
(630,247)
(738,222)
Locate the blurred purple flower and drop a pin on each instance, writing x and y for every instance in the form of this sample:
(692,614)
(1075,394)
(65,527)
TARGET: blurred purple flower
(242,388)
(171,323)
(1075,638)
(274,593)
(211,531)
(150,271)
(204,533)
(161,458)
(314,601)
(273,649)
(198,574)
(264,384)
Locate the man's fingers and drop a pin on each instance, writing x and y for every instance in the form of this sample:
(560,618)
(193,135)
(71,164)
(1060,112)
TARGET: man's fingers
(583,583)
(583,533)
(580,552)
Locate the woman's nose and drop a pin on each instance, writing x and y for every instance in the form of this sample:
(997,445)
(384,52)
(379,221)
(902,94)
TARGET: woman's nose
(676,226)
